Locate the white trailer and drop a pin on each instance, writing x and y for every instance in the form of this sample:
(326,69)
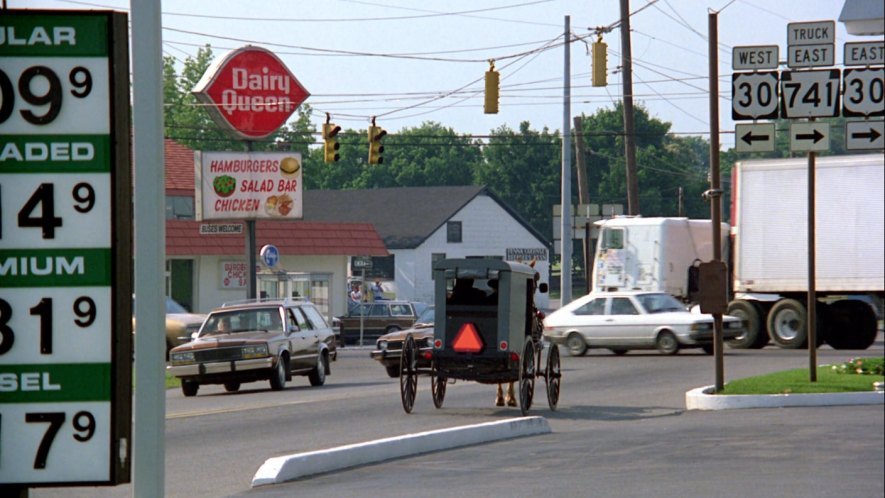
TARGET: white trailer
(654,254)
(770,242)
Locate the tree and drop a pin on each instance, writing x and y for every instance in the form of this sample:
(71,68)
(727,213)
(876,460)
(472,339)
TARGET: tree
(523,168)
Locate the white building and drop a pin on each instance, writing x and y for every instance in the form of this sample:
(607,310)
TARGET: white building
(420,225)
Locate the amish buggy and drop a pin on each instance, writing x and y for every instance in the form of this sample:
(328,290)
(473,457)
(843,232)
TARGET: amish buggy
(487,330)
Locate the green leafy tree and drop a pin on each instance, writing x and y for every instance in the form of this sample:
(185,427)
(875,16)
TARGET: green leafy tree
(523,168)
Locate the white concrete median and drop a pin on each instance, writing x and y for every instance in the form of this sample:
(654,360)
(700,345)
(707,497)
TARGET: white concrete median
(702,398)
(290,467)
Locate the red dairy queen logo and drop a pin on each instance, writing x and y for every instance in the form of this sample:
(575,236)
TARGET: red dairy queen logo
(250,92)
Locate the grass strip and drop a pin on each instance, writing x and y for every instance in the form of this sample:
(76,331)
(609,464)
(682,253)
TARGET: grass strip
(797,382)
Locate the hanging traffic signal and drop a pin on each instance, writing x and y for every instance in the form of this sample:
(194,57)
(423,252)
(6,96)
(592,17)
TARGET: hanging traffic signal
(330,142)
(600,62)
(376,133)
(490,106)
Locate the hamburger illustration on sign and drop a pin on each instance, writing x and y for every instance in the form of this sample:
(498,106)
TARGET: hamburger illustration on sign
(250,92)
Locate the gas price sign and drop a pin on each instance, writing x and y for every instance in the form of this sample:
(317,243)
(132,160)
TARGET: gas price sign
(65,249)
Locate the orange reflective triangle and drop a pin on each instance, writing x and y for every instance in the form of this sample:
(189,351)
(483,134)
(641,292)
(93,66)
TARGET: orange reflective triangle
(467,340)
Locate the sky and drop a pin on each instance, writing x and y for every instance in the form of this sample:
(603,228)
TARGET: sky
(407,62)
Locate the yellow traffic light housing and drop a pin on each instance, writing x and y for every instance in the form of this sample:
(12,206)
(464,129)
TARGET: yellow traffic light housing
(376,150)
(330,142)
(490,106)
(599,73)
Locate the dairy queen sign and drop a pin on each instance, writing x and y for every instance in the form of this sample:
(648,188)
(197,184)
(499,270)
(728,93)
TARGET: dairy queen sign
(250,92)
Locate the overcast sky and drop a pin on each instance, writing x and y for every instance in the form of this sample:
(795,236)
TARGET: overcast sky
(406,62)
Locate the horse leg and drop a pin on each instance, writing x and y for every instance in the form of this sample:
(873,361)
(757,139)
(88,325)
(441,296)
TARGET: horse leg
(499,398)
(511,396)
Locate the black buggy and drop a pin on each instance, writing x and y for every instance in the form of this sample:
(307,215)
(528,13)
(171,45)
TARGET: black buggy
(487,330)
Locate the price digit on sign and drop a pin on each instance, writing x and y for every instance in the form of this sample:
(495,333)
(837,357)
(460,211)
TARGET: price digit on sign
(79,78)
(56,420)
(83,307)
(43,201)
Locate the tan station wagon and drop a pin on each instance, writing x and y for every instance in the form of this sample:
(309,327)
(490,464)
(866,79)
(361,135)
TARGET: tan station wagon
(269,340)
(376,319)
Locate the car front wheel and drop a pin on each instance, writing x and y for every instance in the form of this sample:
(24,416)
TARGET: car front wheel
(278,378)
(667,343)
(189,388)
(393,371)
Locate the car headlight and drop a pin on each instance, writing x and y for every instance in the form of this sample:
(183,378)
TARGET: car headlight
(382,345)
(702,326)
(182,358)
(256,351)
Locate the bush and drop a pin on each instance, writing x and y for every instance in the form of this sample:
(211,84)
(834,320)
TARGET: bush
(861,366)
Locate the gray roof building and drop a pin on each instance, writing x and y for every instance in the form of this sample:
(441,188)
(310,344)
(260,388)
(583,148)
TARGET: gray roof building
(404,217)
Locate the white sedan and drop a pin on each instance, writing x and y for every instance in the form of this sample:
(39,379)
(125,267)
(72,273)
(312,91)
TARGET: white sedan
(621,321)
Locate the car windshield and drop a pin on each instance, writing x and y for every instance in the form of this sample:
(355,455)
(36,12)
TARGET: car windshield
(172,306)
(659,303)
(426,316)
(251,320)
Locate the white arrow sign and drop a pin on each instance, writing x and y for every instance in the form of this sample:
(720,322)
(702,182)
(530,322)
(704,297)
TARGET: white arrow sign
(809,137)
(863,135)
(756,137)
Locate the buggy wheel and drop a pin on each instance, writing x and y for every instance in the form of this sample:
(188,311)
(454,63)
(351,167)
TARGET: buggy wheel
(527,377)
(437,388)
(408,375)
(553,376)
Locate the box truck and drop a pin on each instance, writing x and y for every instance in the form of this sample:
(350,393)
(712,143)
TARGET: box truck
(768,256)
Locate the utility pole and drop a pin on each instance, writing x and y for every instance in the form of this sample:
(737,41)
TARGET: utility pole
(583,195)
(629,136)
(565,272)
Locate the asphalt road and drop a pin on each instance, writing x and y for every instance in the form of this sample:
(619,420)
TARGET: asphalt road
(621,430)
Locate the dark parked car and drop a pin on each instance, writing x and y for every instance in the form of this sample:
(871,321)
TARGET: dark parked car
(389,346)
(257,340)
(378,318)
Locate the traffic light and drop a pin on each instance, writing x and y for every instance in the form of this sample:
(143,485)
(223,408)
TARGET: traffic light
(330,142)
(600,62)
(376,133)
(490,106)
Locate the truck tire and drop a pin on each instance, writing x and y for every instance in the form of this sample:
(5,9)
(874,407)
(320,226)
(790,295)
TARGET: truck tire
(756,337)
(787,324)
(850,325)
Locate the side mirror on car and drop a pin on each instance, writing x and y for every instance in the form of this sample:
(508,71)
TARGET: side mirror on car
(293,328)
(543,288)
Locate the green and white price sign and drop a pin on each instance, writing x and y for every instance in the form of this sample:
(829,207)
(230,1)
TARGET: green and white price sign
(65,249)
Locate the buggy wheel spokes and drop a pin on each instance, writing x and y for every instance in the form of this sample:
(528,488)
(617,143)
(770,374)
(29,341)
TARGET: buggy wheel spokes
(527,377)
(553,376)
(408,374)
(437,387)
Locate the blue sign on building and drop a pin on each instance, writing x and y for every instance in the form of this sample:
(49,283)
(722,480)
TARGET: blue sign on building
(270,255)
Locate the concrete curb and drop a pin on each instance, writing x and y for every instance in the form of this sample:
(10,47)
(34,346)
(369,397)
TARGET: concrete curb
(290,467)
(702,398)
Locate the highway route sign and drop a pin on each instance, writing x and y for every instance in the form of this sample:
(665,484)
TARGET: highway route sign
(865,135)
(864,92)
(810,94)
(65,251)
(811,44)
(754,95)
(754,58)
(806,137)
(864,53)
(755,137)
